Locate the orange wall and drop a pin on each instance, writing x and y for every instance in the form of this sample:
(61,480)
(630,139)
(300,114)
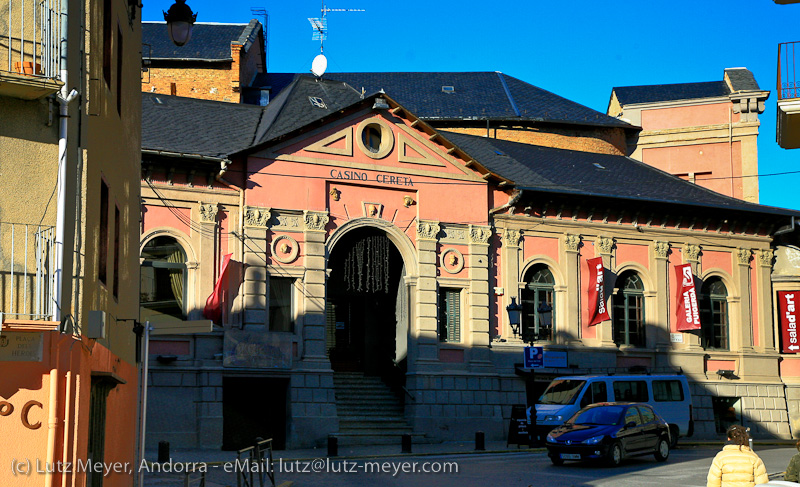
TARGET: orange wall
(160,216)
(717,260)
(720,161)
(680,117)
(633,253)
(533,246)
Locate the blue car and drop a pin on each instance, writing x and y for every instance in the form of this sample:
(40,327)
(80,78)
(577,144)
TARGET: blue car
(610,431)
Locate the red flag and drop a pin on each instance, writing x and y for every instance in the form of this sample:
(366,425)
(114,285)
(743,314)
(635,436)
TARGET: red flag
(213,309)
(597,293)
(787,317)
(687,311)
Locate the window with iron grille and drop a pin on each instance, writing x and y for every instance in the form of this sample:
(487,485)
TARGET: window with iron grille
(714,314)
(449,315)
(628,310)
(538,290)
(281,317)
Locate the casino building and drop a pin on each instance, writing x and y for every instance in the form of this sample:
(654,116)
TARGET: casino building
(374,251)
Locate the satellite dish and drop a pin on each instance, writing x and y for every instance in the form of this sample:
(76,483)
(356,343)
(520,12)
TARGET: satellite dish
(319,65)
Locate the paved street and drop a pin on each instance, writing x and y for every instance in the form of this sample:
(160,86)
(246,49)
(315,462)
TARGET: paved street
(686,467)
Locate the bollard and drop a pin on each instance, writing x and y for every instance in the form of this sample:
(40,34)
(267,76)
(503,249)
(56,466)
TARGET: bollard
(163,452)
(333,446)
(480,444)
(406,443)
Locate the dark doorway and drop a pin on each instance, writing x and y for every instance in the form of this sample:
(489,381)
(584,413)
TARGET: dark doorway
(253,407)
(366,270)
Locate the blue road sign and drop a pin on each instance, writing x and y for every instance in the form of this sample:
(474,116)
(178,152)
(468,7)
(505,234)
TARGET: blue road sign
(534,358)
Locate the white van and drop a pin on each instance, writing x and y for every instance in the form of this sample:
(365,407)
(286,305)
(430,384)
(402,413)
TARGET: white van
(668,394)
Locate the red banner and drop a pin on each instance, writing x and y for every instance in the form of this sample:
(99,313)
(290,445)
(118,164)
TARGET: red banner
(787,317)
(213,309)
(688,313)
(597,294)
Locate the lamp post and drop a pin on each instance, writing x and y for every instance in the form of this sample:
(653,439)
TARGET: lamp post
(180,20)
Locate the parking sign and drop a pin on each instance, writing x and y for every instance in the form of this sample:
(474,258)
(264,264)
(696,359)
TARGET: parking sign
(534,358)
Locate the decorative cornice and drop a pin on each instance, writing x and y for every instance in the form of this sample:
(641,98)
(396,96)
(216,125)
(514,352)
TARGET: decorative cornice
(572,242)
(606,244)
(256,217)
(452,233)
(208,212)
(315,221)
(427,230)
(692,253)
(512,237)
(662,249)
(765,257)
(479,234)
(743,256)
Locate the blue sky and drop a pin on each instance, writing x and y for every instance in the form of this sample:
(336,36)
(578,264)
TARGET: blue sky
(579,49)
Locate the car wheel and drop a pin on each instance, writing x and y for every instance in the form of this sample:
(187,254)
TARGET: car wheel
(673,433)
(557,461)
(662,449)
(615,455)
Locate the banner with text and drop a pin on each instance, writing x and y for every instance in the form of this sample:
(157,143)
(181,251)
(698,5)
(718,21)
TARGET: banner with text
(597,295)
(688,313)
(787,317)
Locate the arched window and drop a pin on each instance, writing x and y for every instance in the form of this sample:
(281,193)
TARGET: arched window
(628,309)
(163,280)
(714,314)
(537,303)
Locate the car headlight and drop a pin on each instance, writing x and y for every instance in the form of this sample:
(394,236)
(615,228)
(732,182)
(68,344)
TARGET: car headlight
(593,440)
(550,438)
(554,418)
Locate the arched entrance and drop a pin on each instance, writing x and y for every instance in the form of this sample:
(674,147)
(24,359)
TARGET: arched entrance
(366,306)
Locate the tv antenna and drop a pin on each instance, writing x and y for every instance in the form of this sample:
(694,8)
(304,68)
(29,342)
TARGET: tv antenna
(319,25)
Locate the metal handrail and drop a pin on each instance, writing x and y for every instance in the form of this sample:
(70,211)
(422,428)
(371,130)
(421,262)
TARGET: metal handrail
(788,84)
(32,44)
(29,274)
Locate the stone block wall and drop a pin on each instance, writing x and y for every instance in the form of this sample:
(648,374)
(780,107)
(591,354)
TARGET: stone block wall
(763,409)
(312,409)
(453,407)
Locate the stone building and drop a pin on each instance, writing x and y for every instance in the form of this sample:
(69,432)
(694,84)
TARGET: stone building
(377,239)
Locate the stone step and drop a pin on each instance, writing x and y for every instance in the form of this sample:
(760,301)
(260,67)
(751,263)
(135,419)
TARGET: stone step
(349,413)
(353,399)
(348,425)
(376,438)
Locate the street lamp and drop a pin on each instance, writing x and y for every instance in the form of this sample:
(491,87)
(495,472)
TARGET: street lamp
(180,19)
(514,314)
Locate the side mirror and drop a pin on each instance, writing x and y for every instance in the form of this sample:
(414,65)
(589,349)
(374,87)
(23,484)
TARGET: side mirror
(630,424)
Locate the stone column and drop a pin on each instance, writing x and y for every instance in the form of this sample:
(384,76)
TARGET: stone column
(691,256)
(766,328)
(741,275)
(427,336)
(571,252)
(479,246)
(208,237)
(661,276)
(314,284)
(254,292)
(605,247)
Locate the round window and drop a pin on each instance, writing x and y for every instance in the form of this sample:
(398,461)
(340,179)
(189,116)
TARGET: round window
(371,137)
(375,138)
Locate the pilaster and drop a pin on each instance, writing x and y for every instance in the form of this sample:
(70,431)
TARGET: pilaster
(511,278)
(741,275)
(427,293)
(314,284)
(604,246)
(661,275)
(691,256)
(571,252)
(479,245)
(207,253)
(766,329)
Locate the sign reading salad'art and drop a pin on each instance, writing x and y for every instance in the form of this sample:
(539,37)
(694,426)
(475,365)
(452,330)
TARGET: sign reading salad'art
(787,317)
(598,310)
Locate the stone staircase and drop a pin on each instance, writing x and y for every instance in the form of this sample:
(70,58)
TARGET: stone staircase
(369,412)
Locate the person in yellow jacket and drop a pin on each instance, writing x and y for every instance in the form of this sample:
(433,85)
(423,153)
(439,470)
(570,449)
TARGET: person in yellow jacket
(736,465)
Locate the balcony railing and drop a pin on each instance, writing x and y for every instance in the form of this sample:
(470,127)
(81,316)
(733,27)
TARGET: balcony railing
(30,37)
(788,83)
(27,258)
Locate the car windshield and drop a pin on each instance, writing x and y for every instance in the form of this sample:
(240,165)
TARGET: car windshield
(604,415)
(562,392)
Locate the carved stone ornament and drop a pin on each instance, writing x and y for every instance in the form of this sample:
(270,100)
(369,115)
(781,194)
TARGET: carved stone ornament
(765,257)
(479,235)
(208,212)
(692,253)
(427,230)
(512,237)
(606,244)
(452,261)
(285,249)
(662,249)
(572,242)
(743,256)
(256,217)
(315,221)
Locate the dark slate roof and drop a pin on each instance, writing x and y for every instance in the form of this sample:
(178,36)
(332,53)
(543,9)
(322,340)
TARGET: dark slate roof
(196,127)
(589,174)
(742,79)
(292,108)
(210,42)
(476,96)
(627,95)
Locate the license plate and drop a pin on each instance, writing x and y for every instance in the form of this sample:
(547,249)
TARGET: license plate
(570,456)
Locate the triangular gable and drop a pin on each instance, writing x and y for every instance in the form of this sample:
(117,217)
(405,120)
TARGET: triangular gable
(408,152)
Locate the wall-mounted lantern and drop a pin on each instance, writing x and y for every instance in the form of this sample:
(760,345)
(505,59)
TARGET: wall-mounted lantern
(180,20)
